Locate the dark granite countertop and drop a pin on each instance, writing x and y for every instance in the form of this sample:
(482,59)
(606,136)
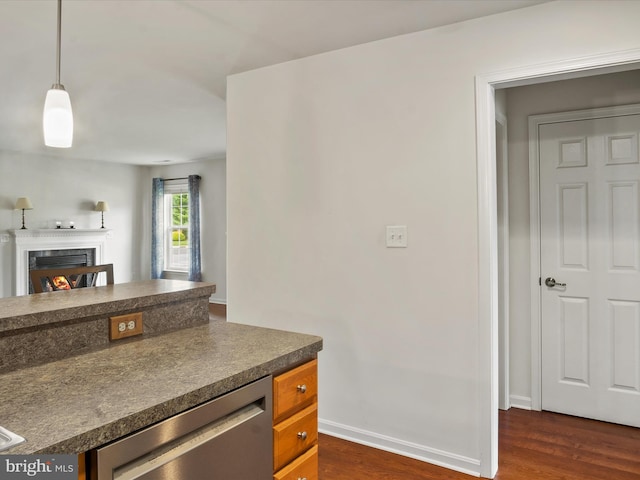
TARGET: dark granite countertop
(27,311)
(82,402)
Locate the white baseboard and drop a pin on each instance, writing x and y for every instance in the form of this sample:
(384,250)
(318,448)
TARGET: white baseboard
(459,463)
(520,402)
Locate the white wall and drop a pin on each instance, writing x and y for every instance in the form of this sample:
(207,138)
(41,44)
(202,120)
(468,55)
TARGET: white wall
(213,212)
(64,189)
(324,152)
(591,92)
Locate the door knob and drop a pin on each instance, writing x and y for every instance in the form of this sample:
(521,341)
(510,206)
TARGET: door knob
(551,282)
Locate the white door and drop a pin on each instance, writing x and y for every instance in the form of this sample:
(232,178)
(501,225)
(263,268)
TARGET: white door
(590,241)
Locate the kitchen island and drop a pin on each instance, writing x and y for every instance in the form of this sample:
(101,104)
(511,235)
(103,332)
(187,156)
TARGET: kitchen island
(49,326)
(107,391)
(80,403)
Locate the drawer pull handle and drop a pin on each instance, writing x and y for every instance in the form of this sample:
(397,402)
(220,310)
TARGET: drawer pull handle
(302,478)
(302,388)
(302,435)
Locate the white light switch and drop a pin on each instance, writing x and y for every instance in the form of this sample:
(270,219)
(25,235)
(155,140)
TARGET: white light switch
(396,236)
(4,238)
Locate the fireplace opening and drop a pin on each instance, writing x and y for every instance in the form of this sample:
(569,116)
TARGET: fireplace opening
(77,257)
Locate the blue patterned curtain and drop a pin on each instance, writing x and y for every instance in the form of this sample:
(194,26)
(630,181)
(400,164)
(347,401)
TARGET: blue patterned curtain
(157,237)
(195,266)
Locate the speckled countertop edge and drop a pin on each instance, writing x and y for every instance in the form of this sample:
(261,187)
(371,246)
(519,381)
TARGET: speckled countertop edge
(79,403)
(51,307)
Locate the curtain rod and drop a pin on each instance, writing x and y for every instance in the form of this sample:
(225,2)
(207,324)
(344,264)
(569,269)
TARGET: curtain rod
(180,178)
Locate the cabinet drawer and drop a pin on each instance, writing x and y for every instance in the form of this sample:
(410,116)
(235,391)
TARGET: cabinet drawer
(294,435)
(295,389)
(82,467)
(303,467)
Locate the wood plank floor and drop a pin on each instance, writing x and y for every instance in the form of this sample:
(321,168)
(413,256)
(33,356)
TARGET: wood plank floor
(533,446)
(218,311)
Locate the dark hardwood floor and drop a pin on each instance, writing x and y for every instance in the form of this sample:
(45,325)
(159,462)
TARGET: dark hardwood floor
(533,446)
(218,311)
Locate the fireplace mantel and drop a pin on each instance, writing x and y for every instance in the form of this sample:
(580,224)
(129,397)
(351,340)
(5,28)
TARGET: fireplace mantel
(54,239)
(60,232)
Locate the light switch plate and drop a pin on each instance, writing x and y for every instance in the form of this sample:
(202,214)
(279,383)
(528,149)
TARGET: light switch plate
(4,238)
(396,236)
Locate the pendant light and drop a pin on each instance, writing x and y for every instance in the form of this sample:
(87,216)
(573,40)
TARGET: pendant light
(57,119)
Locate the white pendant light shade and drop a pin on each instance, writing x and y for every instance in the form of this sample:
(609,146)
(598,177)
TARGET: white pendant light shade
(57,119)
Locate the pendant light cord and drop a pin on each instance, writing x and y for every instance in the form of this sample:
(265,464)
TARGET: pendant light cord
(59,41)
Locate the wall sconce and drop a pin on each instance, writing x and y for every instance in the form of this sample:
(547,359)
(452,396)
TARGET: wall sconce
(23,204)
(102,207)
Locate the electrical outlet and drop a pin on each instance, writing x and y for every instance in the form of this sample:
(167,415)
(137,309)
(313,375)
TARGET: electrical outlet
(123,326)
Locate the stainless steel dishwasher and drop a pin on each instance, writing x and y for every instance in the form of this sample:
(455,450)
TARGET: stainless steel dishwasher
(228,438)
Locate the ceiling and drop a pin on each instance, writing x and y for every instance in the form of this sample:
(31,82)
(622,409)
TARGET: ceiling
(147,77)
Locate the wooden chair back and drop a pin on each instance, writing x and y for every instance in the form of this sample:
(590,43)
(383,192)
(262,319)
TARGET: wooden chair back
(52,279)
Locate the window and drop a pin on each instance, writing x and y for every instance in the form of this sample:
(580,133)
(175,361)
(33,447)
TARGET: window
(175,216)
(176,227)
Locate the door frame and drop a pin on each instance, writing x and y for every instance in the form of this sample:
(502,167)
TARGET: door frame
(535,121)
(488,351)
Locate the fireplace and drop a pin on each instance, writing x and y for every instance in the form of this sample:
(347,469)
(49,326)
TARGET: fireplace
(52,248)
(65,258)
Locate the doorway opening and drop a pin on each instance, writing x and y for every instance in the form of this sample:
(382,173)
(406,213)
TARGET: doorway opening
(523,106)
(486,86)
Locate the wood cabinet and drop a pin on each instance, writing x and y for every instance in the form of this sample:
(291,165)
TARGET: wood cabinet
(305,466)
(82,472)
(295,423)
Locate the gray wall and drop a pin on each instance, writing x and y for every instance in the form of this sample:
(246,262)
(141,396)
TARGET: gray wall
(64,189)
(590,92)
(213,217)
